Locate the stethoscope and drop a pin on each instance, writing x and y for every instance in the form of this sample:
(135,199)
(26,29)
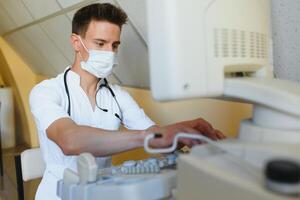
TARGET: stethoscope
(106,85)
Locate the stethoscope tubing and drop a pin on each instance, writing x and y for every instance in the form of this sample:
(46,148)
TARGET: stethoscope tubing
(105,84)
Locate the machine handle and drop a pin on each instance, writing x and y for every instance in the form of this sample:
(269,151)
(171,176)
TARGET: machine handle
(149,137)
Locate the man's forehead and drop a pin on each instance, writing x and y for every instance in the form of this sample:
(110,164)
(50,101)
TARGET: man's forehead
(102,28)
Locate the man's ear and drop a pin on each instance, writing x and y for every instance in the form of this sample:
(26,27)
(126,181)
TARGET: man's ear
(75,42)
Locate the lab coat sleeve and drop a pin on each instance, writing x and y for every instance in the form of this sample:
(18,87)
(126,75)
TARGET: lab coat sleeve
(46,104)
(134,118)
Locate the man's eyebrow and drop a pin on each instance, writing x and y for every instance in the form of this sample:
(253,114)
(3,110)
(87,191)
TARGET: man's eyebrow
(100,40)
(117,42)
(105,41)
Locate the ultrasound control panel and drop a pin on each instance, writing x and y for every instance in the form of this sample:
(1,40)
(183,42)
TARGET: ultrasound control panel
(148,179)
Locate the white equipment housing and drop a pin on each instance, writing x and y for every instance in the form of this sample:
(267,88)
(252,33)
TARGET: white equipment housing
(207,173)
(221,48)
(192,44)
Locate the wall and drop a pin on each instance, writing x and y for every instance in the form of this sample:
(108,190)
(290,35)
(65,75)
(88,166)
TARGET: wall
(286,39)
(1,80)
(16,74)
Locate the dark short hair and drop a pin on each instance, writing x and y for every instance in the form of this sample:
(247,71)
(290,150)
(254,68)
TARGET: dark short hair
(99,12)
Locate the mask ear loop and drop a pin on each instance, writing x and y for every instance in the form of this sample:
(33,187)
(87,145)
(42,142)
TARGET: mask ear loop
(87,50)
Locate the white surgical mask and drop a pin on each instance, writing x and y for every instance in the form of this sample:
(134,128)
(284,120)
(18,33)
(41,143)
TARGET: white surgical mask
(99,63)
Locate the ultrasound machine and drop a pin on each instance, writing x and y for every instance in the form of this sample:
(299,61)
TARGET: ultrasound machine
(217,49)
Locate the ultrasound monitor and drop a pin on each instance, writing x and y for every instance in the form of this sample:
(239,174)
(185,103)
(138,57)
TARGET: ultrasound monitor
(194,45)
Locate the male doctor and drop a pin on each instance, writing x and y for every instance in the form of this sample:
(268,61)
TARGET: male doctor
(79,111)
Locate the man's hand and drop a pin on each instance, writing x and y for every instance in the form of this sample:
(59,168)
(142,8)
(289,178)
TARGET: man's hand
(197,126)
(205,128)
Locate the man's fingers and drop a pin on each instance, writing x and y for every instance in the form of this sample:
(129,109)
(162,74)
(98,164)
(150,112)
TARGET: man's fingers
(211,134)
(200,126)
(206,129)
(219,134)
(204,122)
(186,141)
(196,142)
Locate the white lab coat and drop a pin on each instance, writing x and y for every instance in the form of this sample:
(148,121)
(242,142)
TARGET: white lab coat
(49,102)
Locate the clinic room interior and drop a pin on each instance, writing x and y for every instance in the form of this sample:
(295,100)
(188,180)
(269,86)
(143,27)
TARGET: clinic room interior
(35,45)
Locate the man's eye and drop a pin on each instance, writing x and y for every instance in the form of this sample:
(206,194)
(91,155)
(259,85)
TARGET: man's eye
(100,44)
(115,46)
